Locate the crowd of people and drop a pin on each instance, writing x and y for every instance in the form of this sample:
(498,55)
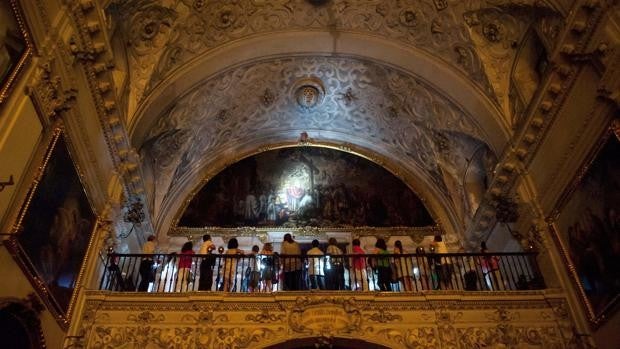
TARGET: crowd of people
(328,268)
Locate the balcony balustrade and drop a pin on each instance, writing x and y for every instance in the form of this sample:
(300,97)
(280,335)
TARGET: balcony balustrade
(351,272)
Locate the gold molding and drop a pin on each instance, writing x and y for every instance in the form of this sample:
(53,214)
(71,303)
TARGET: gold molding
(416,233)
(7,87)
(60,315)
(572,271)
(583,170)
(36,177)
(260,320)
(596,320)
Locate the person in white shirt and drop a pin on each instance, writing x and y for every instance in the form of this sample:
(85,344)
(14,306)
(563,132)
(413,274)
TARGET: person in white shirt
(292,263)
(316,262)
(335,275)
(206,266)
(147,273)
(443,265)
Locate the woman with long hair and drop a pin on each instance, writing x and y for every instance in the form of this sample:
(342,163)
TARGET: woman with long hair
(359,276)
(229,276)
(185,264)
(404,267)
(382,264)
(267,267)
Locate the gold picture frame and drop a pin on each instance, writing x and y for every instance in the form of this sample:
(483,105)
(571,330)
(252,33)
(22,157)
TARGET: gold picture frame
(54,230)
(585,241)
(16,46)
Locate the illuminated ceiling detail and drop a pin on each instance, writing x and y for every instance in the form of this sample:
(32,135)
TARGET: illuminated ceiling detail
(365,103)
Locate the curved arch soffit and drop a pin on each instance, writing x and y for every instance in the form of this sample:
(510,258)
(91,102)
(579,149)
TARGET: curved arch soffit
(451,84)
(437,204)
(335,342)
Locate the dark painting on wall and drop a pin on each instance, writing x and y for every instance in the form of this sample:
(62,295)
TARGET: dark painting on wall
(14,45)
(57,225)
(589,224)
(305,186)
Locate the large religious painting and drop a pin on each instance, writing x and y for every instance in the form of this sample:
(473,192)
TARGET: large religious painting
(15,46)
(589,227)
(55,228)
(305,186)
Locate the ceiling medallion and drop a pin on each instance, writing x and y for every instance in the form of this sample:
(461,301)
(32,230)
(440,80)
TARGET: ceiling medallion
(308,93)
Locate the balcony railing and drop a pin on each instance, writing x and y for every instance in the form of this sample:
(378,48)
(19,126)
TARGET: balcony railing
(371,272)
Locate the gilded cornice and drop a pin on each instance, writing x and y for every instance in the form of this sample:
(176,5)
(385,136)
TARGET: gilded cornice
(544,109)
(90,47)
(416,233)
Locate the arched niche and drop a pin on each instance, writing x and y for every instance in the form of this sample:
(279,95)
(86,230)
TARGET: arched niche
(20,324)
(305,186)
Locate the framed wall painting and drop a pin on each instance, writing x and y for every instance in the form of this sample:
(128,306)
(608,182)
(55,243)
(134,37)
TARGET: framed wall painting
(54,230)
(586,225)
(15,46)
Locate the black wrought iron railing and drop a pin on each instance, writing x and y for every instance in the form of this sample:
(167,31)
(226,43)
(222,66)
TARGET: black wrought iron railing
(354,272)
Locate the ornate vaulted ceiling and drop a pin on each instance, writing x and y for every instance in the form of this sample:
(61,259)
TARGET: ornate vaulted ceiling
(422,87)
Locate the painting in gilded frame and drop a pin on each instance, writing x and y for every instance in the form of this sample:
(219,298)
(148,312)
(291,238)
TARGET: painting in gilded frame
(55,228)
(305,186)
(588,225)
(15,46)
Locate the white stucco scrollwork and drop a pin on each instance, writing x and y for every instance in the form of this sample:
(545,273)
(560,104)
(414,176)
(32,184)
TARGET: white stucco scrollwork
(391,113)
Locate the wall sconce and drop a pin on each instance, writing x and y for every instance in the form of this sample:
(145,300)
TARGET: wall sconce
(134,215)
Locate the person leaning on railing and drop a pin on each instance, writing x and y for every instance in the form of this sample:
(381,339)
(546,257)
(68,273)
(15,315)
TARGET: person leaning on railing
(490,268)
(316,263)
(206,265)
(423,268)
(147,272)
(404,267)
(382,265)
(443,265)
(185,264)
(230,265)
(335,272)
(359,276)
(292,263)
(267,268)
(254,279)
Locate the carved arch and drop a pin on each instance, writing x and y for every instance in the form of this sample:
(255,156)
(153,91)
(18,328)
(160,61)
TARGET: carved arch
(458,88)
(20,324)
(325,342)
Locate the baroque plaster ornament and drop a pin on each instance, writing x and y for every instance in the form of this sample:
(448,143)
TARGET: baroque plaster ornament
(449,326)
(495,32)
(181,31)
(51,91)
(440,4)
(309,93)
(200,124)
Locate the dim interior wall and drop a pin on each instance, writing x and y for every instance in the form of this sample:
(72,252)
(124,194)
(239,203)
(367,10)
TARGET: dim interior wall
(19,287)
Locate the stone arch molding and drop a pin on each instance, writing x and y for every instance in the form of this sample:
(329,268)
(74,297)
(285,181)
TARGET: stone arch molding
(164,36)
(376,109)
